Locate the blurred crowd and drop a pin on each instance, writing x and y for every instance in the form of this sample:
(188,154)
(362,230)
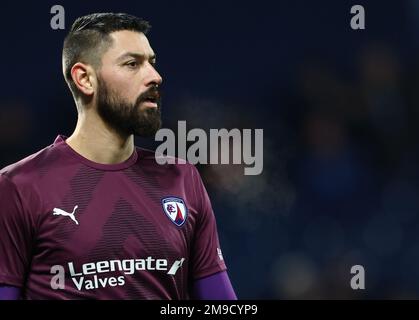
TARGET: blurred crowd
(339,186)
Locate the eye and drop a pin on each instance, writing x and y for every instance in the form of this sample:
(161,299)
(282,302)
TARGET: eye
(132,64)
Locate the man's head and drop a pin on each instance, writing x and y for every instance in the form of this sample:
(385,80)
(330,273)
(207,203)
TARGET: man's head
(109,66)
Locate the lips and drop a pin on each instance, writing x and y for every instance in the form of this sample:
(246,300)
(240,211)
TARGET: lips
(152,99)
(149,104)
(151,96)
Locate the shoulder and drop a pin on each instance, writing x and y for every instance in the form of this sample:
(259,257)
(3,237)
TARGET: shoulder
(28,169)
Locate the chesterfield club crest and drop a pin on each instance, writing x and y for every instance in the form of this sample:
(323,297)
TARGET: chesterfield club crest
(175,209)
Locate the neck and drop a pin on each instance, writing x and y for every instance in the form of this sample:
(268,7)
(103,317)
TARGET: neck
(96,141)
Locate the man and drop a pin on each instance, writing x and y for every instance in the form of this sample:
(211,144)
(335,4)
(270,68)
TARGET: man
(93,216)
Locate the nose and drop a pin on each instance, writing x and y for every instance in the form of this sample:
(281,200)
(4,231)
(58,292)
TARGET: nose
(153,77)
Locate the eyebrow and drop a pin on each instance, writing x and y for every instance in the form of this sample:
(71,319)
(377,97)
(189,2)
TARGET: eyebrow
(136,55)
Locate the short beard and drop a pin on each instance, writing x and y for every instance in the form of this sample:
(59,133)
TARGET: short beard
(127,118)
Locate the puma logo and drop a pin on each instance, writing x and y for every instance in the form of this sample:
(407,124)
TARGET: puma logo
(60,212)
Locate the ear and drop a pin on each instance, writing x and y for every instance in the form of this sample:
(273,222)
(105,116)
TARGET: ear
(83,77)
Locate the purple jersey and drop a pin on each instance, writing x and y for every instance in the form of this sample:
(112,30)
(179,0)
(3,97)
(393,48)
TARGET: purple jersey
(74,229)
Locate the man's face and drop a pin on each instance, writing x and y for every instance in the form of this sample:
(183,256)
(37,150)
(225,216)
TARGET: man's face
(128,97)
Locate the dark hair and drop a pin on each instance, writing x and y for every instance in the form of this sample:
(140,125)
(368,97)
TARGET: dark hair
(89,38)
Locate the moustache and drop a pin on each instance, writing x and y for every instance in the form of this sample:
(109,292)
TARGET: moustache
(152,94)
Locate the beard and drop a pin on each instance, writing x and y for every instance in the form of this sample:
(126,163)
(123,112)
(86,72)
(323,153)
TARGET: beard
(129,118)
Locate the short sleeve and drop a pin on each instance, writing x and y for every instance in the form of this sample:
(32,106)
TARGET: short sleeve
(207,257)
(15,235)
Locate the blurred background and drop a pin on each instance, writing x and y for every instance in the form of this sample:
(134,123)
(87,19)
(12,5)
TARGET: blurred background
(339,109)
